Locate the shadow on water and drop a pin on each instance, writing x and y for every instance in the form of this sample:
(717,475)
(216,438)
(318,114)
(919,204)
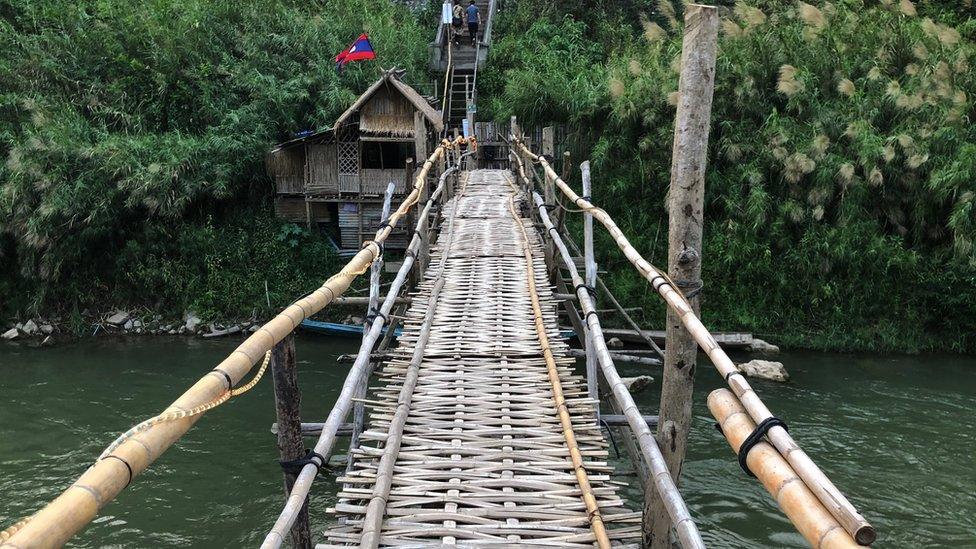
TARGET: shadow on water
(897,434)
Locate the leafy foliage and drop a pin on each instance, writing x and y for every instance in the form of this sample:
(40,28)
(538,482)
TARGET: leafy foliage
(841,174)
(124,124)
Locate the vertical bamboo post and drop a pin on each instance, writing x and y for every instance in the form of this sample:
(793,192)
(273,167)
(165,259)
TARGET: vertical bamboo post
(359,408)
(288,399)
(548,191)
(513,131)
(567,172)
(685,213)
(592,380)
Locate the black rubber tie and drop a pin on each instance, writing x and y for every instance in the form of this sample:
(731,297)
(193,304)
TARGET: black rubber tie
(590,289)
(696,287)
(230,384)
(730,374)
(127,466)
(295,466)
(755,438)
(587,315)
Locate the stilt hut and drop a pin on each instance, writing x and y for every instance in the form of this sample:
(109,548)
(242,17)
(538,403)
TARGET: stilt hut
(335,178)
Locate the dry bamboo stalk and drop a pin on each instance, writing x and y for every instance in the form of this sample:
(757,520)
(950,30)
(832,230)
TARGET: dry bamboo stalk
(816,480)
(373,518)
(359,409)
(666,488)
(337,415)
(592,507)
(811,519)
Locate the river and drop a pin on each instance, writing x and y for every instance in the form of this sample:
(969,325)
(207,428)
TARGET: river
(897,434)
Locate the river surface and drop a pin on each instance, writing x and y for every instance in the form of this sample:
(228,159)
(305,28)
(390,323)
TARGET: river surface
(897,434)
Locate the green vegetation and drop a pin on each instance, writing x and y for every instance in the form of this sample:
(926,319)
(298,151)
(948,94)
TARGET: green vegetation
(842,170)
(134,133)
(840,191)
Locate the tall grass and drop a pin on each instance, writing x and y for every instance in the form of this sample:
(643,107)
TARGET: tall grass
(842,165)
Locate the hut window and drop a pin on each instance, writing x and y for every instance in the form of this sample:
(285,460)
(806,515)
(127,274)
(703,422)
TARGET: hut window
(379,155)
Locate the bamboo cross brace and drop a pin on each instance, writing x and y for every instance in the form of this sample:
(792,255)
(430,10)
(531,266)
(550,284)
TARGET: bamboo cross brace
(816,480)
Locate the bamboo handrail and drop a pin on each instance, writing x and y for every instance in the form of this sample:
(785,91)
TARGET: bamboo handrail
(79,503)
(684,525)
(816,480)
(804,510)
(323,446)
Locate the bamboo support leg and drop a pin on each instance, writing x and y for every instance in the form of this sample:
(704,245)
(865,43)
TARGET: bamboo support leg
(590,263)
(288,399)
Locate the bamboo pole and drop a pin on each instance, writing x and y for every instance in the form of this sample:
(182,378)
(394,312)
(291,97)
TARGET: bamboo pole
(686,198)
(816,480)
(582,479)
(288,400)
(373,519)
(359,408)
(590,263)
(804,510)
(681,518)
(323,446)
(80,502)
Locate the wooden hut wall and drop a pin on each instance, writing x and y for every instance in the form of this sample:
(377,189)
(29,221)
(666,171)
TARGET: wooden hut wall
(291,208)
(387,112)
(287,167)
(323,169)
(353,230)
(374,182)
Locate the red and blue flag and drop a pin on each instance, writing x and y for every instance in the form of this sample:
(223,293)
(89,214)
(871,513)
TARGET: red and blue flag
(360,50)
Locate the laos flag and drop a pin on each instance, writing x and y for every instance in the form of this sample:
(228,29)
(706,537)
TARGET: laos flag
(360,50)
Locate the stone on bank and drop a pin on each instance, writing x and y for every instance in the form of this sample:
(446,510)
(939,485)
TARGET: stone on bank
(764,369)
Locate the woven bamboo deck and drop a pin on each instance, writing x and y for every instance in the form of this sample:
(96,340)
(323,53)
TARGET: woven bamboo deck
(482,458)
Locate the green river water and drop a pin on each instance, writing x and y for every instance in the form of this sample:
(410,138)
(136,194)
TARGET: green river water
(897,434)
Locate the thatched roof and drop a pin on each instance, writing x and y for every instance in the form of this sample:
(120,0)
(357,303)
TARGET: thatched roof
(390,78)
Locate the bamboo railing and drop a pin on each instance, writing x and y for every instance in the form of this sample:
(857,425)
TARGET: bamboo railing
(323,446)
(818,483)
(685,527)
(106,478)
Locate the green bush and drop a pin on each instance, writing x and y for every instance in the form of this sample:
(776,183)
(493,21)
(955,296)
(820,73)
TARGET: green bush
(842,168)
(130,125)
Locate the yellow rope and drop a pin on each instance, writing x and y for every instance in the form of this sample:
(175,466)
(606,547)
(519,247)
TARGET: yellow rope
(592,507)
(180,414)
(167,416)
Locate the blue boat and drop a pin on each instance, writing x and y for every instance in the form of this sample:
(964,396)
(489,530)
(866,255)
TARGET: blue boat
(335,328)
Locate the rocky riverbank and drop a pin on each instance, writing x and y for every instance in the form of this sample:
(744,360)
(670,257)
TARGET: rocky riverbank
(47,331)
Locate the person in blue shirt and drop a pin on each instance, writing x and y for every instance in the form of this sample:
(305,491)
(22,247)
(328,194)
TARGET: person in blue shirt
(474,21)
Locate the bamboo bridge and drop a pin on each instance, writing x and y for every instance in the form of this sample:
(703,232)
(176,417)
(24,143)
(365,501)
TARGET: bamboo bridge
(475,429)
